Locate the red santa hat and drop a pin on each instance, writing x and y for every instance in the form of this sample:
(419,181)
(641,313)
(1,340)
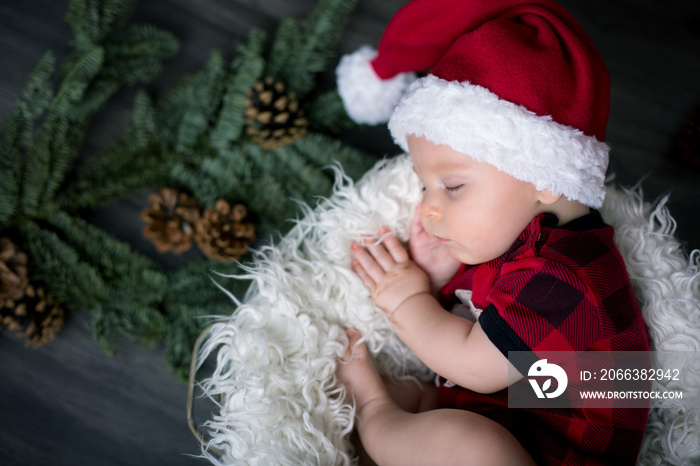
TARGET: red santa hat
(514,83)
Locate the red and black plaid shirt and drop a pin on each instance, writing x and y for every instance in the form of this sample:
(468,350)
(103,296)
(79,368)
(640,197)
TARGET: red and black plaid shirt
(558,289)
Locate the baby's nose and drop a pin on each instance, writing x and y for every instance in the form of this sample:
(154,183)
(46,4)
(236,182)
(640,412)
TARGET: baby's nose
(430,211)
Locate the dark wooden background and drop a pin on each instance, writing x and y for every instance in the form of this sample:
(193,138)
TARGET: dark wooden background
(68,403)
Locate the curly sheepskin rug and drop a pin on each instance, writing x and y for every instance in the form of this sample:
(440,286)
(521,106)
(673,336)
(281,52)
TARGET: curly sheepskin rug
(278,400)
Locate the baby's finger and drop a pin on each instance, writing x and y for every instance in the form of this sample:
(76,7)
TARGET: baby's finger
(397,251)
(416,217)
(416,224)
(364,276)
(370,265)
(380,254)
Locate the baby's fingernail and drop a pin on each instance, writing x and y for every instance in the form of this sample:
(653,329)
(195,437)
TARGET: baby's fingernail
(383,230)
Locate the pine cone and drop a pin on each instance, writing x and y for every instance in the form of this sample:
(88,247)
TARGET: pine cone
(36,314)
(171,220)
(13,270)
(273,117)
(225,233)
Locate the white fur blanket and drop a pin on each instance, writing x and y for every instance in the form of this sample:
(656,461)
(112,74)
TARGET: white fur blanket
(276,355)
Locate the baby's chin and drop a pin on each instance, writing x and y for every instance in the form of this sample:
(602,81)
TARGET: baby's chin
(465,256)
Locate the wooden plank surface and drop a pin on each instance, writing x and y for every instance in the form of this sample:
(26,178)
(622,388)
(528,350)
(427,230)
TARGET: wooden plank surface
(69,403)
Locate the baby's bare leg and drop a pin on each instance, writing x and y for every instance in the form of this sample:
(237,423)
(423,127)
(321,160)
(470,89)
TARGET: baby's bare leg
(411,395)
(391,435)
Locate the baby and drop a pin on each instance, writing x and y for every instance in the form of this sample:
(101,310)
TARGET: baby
(506,136)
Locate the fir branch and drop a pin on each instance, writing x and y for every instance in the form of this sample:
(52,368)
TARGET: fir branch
(286,43)
(142,127)
(133,320)
(94,98)
(133,162)
(101,330)
(135,285)
(71,280)
(37,93)
(19,134)
(324,150)
(14,146)
(136,54)
(186,323)
(191,302)
(132,53)
(189,108)
(232,174)
(120,316)
(87,269)
(88,79)
(202,187)
(232,166)
(76,75)
(268,196)
(247,175)
(247,69)
(38,166)
(302,178)
(65,151)
(229,176)
(301,50)
(98,188)
(114,259)
(59,139)
(327,114)
(224,182)
(56,146)
(94,20)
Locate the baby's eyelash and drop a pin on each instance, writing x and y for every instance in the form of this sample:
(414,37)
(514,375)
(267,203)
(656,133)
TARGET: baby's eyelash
(453,189)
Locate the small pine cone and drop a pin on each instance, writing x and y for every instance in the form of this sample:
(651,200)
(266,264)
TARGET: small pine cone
(36,315)
(171,220)
(273,117)
(13,270)
(225,233)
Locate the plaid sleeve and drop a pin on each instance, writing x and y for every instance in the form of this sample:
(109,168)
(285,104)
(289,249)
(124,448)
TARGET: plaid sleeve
(543,304)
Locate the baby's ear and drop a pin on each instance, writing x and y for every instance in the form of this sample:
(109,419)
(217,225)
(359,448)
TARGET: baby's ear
(547,198)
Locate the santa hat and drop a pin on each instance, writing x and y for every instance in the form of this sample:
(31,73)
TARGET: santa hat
(514,83)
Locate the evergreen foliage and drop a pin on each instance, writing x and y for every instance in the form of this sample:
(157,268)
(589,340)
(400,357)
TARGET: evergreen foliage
(246,70)
(192,300)
(19,136)
(193,138)
(302,48)
(83,267)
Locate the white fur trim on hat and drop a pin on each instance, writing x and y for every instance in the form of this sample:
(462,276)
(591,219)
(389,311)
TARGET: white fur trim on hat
(473,120)
(368,98)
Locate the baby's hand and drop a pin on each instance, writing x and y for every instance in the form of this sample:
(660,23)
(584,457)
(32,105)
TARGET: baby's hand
(388,272)
(431,255)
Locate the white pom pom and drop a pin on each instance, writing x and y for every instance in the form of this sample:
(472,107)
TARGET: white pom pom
(368,98)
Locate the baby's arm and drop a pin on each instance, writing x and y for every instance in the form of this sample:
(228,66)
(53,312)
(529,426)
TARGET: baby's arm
(450,345)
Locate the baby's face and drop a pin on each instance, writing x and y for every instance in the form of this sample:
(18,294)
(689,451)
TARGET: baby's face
(476,210)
